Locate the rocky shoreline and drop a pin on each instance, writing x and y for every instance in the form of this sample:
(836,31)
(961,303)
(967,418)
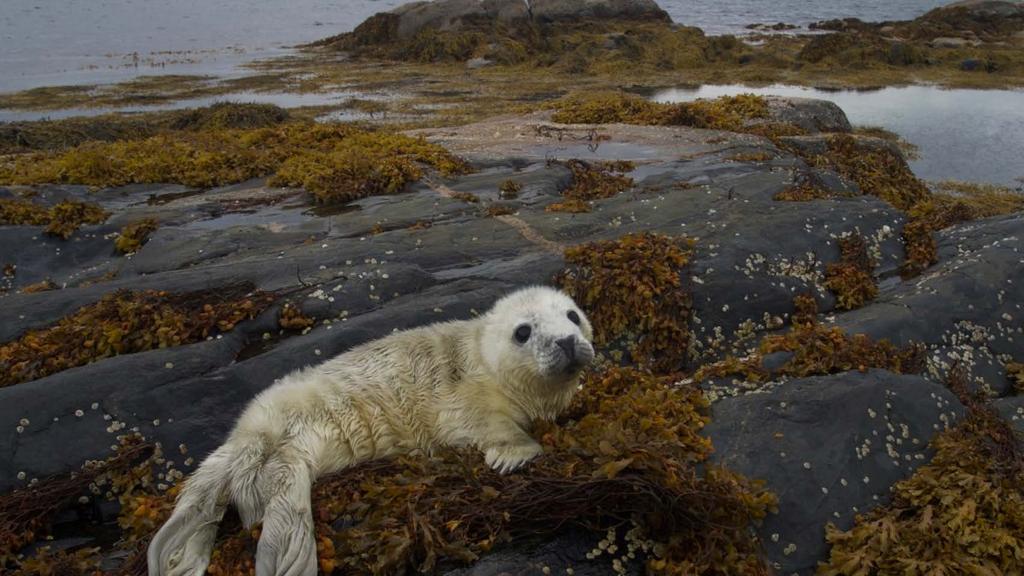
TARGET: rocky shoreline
(825,322)
(452,62)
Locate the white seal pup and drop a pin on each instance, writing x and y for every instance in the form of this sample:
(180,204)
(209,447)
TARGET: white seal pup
(476,382)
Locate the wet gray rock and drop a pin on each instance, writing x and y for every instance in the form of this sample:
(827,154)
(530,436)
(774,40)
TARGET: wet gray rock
(812,115)
(1012,408)
(829,447)
(405,260)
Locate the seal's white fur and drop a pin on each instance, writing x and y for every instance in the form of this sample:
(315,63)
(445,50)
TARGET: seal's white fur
(466,383)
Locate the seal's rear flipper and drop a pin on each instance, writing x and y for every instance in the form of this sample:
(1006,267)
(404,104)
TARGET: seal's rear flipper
(287,545)
(183,544)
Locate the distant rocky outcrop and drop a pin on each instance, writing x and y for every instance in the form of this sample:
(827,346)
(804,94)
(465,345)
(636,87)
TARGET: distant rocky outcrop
(454,14)
(408,20)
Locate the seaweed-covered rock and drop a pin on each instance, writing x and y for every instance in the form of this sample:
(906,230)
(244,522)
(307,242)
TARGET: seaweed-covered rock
(988,7)
(454,14)
(446,247)
(979,271)
(829,447)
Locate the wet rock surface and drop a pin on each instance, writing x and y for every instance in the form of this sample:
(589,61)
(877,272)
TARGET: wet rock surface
(428,254)
(829,447)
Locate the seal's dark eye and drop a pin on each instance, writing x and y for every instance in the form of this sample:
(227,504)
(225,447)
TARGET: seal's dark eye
(523,333)
(574,317)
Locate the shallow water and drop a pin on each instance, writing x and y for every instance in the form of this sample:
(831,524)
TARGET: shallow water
(971,135)
(47,43)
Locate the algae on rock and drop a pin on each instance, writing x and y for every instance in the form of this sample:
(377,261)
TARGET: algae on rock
(125,322)
(336,163)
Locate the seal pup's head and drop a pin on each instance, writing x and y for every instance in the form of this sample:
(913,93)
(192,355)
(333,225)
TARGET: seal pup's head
(537,336)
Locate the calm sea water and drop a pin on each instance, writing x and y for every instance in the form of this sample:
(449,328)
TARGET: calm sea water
(970,135)
(51,42)
(963,134)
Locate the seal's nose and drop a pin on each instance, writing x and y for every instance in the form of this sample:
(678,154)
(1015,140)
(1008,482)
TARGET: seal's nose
(568,345)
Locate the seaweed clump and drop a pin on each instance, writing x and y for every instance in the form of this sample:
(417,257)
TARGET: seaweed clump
(52,135)
(509,190)
(634,296)
(852,279)
(292,317)
(125,322)
(1015,372)
(879,169)
(134,235)
(229,115)
(336,163)
(26,514)
(360,163)
(593,181)
(962,513)
(953,203)
(723,113)
(875,167)
(61,220)
(591,45)
(802,192)
(815,349)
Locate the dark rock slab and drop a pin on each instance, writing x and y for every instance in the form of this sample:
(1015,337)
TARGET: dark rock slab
(829,447)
